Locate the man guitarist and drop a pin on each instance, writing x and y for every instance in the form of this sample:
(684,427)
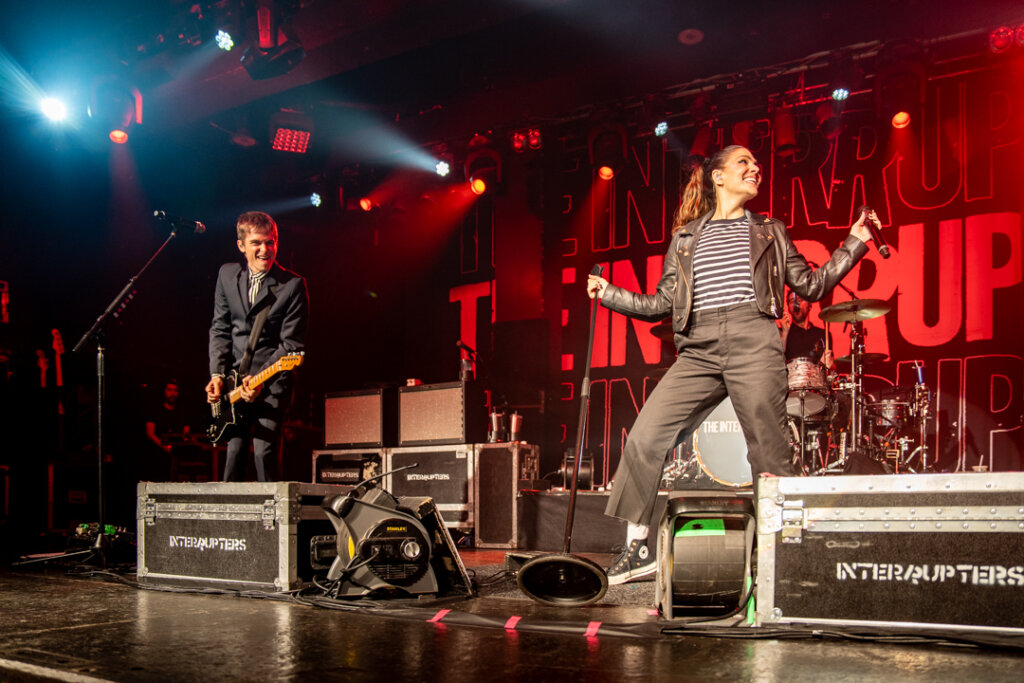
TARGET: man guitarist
(258,294)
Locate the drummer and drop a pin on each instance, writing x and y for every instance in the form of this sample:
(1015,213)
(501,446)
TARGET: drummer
(800,338)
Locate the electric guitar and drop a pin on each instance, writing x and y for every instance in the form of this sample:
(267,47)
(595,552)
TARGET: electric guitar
(228,411)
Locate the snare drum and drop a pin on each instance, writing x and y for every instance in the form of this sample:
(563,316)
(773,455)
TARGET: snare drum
(720,447)
(890,413)
(807,382)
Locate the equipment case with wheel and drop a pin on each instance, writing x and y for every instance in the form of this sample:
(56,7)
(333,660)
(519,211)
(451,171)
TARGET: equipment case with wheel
(236,536)
(909,551)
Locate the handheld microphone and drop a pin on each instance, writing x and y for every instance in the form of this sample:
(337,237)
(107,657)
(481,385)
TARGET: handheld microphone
(876,234)
(178,222)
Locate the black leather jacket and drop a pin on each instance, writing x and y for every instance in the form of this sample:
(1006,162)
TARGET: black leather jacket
(775,263)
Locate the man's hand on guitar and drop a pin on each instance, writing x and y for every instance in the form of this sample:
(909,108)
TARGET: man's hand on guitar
(214,389)
(249,395)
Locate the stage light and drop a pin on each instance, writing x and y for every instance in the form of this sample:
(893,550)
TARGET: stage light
(315,199)
(442,168)
(844,76)
(277,49)
(289,140)
(900,82)
(366,204)
(518,141)
(607,147)
(1000,39)
(533,139)
(784,129)
(483,164)
(661,129)
(115,107)
(828,116)
(224,40)
(291,131)
(53,109)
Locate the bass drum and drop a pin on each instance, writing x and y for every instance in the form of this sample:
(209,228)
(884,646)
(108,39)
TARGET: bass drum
(720,448)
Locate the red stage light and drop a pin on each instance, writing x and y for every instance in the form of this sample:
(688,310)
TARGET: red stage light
(1000,39)
(291,140)
(606,173)
(518,142)
(478,186)
(366,204)
(533,139)
(901,119)
(119,136)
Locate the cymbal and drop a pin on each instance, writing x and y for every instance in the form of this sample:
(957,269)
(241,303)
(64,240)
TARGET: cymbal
(855,310)
(865,358)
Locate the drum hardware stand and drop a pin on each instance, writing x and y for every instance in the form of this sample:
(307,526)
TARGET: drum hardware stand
(921,407)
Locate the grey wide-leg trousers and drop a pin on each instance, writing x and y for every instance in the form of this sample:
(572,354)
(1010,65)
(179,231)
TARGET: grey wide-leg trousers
(735,351)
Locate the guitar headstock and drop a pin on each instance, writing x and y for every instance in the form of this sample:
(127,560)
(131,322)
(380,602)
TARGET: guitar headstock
(58,343)
(41,359)
(290,362)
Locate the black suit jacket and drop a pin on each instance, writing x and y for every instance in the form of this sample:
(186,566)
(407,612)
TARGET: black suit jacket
(283,333)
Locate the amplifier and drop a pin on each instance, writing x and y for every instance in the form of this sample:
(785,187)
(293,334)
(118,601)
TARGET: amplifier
(346,467)
(359,419)
(499,468)
(448,413)
(444,473)
(237,536)
(942,551)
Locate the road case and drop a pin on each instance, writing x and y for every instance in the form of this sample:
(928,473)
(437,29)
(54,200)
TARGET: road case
(928,551)
(499,469)
(238,536)
(444,473)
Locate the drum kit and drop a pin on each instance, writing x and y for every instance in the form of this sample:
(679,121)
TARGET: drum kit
(835,425)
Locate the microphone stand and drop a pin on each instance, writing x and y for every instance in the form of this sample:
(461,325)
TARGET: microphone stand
(97,332)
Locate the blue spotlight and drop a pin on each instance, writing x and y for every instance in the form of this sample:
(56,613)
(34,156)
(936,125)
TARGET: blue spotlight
(224,41)
(53,109)
(315,199)
(442,168)
(840,94)
(661,129)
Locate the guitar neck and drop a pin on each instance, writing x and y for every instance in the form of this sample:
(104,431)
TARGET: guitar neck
(256,381)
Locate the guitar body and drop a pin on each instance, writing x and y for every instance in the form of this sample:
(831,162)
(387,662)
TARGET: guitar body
(227,412)
(225,415)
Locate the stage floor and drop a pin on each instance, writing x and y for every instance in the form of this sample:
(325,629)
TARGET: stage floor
(78,628)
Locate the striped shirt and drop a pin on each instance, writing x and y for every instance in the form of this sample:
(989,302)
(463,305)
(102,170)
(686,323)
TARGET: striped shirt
(721,265)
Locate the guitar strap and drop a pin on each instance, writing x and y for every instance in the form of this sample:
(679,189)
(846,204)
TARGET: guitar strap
(257,327)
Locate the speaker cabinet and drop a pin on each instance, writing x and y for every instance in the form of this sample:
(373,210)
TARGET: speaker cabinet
(359,419)
(435,414)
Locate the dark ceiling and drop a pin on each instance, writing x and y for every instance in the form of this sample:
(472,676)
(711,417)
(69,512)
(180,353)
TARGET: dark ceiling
(489,63)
